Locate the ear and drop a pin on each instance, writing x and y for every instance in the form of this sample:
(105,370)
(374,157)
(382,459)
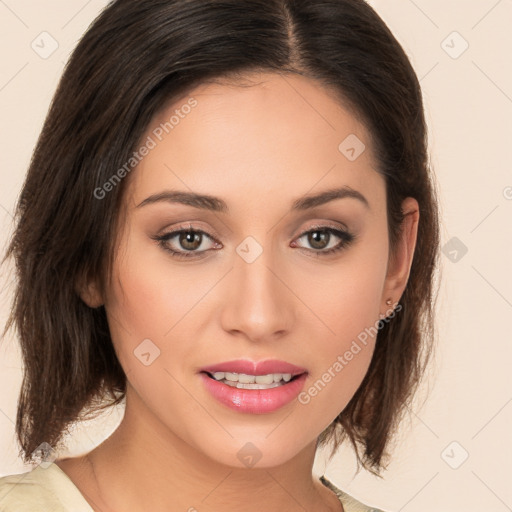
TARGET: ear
(400,261)
(89,292)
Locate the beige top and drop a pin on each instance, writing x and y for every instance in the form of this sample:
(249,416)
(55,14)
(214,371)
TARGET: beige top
(49,489)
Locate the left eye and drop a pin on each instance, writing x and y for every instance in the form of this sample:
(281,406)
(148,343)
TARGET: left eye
(319,239)
(190,241)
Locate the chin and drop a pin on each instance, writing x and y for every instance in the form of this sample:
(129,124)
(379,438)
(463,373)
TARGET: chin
(257,451)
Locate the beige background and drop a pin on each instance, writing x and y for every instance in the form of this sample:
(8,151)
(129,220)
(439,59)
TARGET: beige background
(468,100)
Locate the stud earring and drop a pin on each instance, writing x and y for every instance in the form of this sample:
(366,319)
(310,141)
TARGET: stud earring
(389,302)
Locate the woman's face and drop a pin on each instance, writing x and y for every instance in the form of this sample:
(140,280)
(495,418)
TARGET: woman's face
(263,279)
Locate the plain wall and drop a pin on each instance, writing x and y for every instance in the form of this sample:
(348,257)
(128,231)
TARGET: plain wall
(468,101)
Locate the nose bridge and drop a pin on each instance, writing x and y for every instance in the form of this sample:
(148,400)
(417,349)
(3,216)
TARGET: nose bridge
(258,303)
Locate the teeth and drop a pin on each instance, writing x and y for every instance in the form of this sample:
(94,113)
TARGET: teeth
(264,379)
(241,385)
(243,378)
(247,379)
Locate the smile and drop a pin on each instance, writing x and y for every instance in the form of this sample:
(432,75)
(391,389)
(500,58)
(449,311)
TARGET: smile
(253,397)
(246,381)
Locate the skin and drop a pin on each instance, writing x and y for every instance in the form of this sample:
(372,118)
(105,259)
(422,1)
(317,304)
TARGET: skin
(258,148)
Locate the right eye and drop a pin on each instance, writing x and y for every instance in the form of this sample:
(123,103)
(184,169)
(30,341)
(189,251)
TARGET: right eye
(184,243)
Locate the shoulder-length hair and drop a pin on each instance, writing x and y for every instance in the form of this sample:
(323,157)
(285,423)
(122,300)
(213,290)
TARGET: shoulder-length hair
(136,57)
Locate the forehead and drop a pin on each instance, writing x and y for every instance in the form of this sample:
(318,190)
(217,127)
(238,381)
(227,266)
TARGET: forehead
(280,132)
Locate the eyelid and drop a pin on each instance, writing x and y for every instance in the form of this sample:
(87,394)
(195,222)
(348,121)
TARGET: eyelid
(324,225)
(188,226)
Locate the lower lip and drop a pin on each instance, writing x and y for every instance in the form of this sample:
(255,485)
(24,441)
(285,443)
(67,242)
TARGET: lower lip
(255,401)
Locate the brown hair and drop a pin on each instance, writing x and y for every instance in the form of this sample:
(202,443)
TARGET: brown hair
(137,56)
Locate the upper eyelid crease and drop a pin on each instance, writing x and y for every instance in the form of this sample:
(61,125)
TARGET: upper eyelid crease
(215,204)
(191,228)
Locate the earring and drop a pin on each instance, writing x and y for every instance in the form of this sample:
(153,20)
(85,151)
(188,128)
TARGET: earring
(389,302)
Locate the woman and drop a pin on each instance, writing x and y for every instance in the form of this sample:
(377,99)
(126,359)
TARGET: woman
(229,222)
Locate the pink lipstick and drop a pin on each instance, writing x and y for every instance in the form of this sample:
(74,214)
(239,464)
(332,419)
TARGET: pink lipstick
(254,387)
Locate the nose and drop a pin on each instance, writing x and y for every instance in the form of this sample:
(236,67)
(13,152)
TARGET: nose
(258,303)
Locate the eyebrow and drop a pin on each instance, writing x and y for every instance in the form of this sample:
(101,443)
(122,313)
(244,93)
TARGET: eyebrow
(215,204)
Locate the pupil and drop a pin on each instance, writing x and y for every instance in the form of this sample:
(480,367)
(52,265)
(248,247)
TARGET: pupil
(190,237)
(314,240)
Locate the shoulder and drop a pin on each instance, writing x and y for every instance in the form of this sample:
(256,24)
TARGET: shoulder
(43,489)
(349,503)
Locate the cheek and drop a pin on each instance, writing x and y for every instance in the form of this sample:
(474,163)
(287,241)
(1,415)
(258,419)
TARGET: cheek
(341,359)
(152,298)
(143,306)
(148,295)
(348,307)
(147,307)
(347,297)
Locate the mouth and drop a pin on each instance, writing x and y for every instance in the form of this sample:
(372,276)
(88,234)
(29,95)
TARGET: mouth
(248,381)
(254,387)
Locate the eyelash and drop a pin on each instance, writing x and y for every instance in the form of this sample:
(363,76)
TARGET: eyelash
(346,239)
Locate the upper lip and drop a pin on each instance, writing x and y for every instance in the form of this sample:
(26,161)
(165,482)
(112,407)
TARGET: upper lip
(255,367)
